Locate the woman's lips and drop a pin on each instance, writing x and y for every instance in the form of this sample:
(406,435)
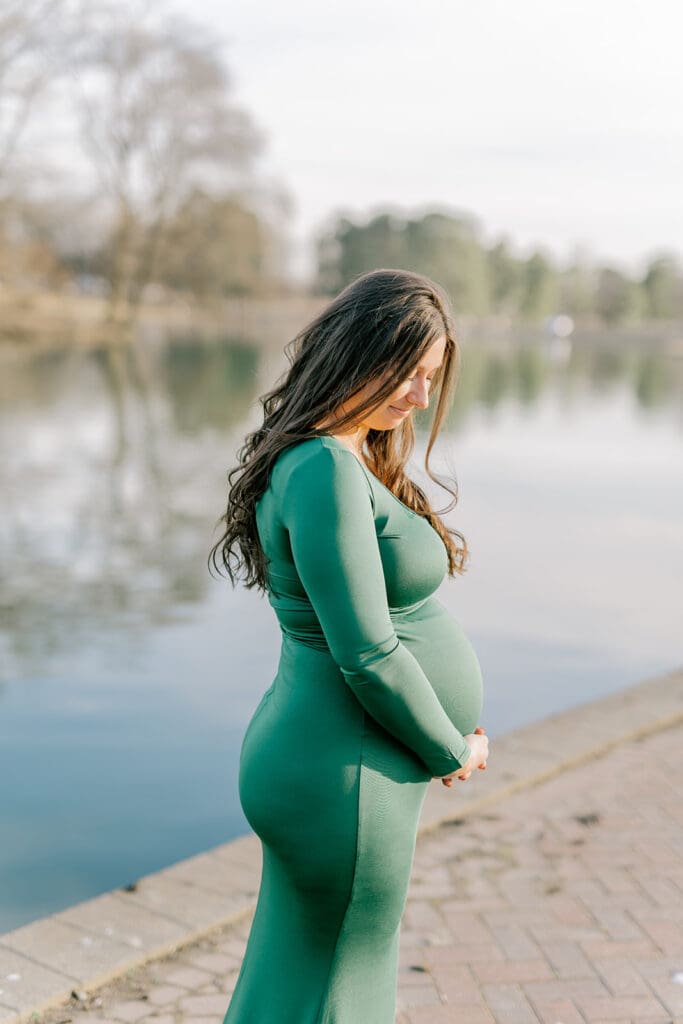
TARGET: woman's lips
(403,412)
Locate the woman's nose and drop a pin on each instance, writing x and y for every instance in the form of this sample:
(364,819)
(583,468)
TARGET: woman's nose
(419,395)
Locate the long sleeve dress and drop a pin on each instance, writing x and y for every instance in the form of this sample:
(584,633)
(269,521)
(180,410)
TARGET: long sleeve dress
(375,689)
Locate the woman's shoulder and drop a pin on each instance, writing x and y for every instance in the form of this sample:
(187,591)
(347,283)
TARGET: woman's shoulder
(321,449)
(313,461)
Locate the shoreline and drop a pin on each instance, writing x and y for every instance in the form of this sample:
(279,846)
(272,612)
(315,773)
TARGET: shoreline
(36,321)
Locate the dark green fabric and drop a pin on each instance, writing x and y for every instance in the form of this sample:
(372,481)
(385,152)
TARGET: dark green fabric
(376,686)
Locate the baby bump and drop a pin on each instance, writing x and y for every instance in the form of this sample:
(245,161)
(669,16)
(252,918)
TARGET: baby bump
(442,649)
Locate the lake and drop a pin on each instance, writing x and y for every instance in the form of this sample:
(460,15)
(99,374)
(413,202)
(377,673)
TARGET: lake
(128,674)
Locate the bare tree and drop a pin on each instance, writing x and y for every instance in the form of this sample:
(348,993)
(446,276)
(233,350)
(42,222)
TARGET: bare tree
(157,121)
(30,31)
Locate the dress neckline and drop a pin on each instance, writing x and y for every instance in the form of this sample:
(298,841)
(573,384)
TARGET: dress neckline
(406,508)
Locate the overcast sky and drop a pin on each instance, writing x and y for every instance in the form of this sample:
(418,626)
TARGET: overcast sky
(560,124)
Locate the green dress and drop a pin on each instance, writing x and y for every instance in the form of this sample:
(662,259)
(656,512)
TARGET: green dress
(375,688)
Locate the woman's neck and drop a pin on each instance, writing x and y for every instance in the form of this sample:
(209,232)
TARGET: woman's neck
(353,438)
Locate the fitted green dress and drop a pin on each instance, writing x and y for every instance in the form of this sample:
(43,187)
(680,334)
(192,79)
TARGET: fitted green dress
(375,688)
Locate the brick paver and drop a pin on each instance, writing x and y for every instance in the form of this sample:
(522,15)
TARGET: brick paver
(562,905)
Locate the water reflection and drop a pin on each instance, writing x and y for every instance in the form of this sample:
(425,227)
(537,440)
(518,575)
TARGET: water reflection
(209,385)
(111,459)
(107,505)
(653,382)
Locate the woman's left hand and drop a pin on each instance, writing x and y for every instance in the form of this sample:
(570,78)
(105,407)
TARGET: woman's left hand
(447,780)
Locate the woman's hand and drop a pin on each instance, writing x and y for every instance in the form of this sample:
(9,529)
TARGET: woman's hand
(478,743)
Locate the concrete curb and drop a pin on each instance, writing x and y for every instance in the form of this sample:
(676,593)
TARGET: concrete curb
(98,940)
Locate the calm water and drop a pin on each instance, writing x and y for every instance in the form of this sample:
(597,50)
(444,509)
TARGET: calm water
(128,674)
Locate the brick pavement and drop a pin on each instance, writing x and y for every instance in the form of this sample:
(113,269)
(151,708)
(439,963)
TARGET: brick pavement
(561,904)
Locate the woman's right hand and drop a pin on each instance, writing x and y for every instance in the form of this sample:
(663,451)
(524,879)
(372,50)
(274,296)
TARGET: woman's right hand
(478,742)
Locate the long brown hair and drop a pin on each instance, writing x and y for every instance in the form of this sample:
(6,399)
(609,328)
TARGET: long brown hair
(375,331)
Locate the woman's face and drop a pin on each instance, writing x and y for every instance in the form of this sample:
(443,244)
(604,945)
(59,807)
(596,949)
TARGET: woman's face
(412,393)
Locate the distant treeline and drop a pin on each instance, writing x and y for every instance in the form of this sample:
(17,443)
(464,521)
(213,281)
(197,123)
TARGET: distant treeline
(493,280)
(127,171)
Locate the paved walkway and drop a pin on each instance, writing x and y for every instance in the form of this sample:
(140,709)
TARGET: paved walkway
(562,904)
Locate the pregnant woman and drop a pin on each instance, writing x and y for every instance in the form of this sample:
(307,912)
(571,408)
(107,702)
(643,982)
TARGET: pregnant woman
(377,689)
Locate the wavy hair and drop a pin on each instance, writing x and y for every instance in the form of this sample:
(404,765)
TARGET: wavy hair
(375,331)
